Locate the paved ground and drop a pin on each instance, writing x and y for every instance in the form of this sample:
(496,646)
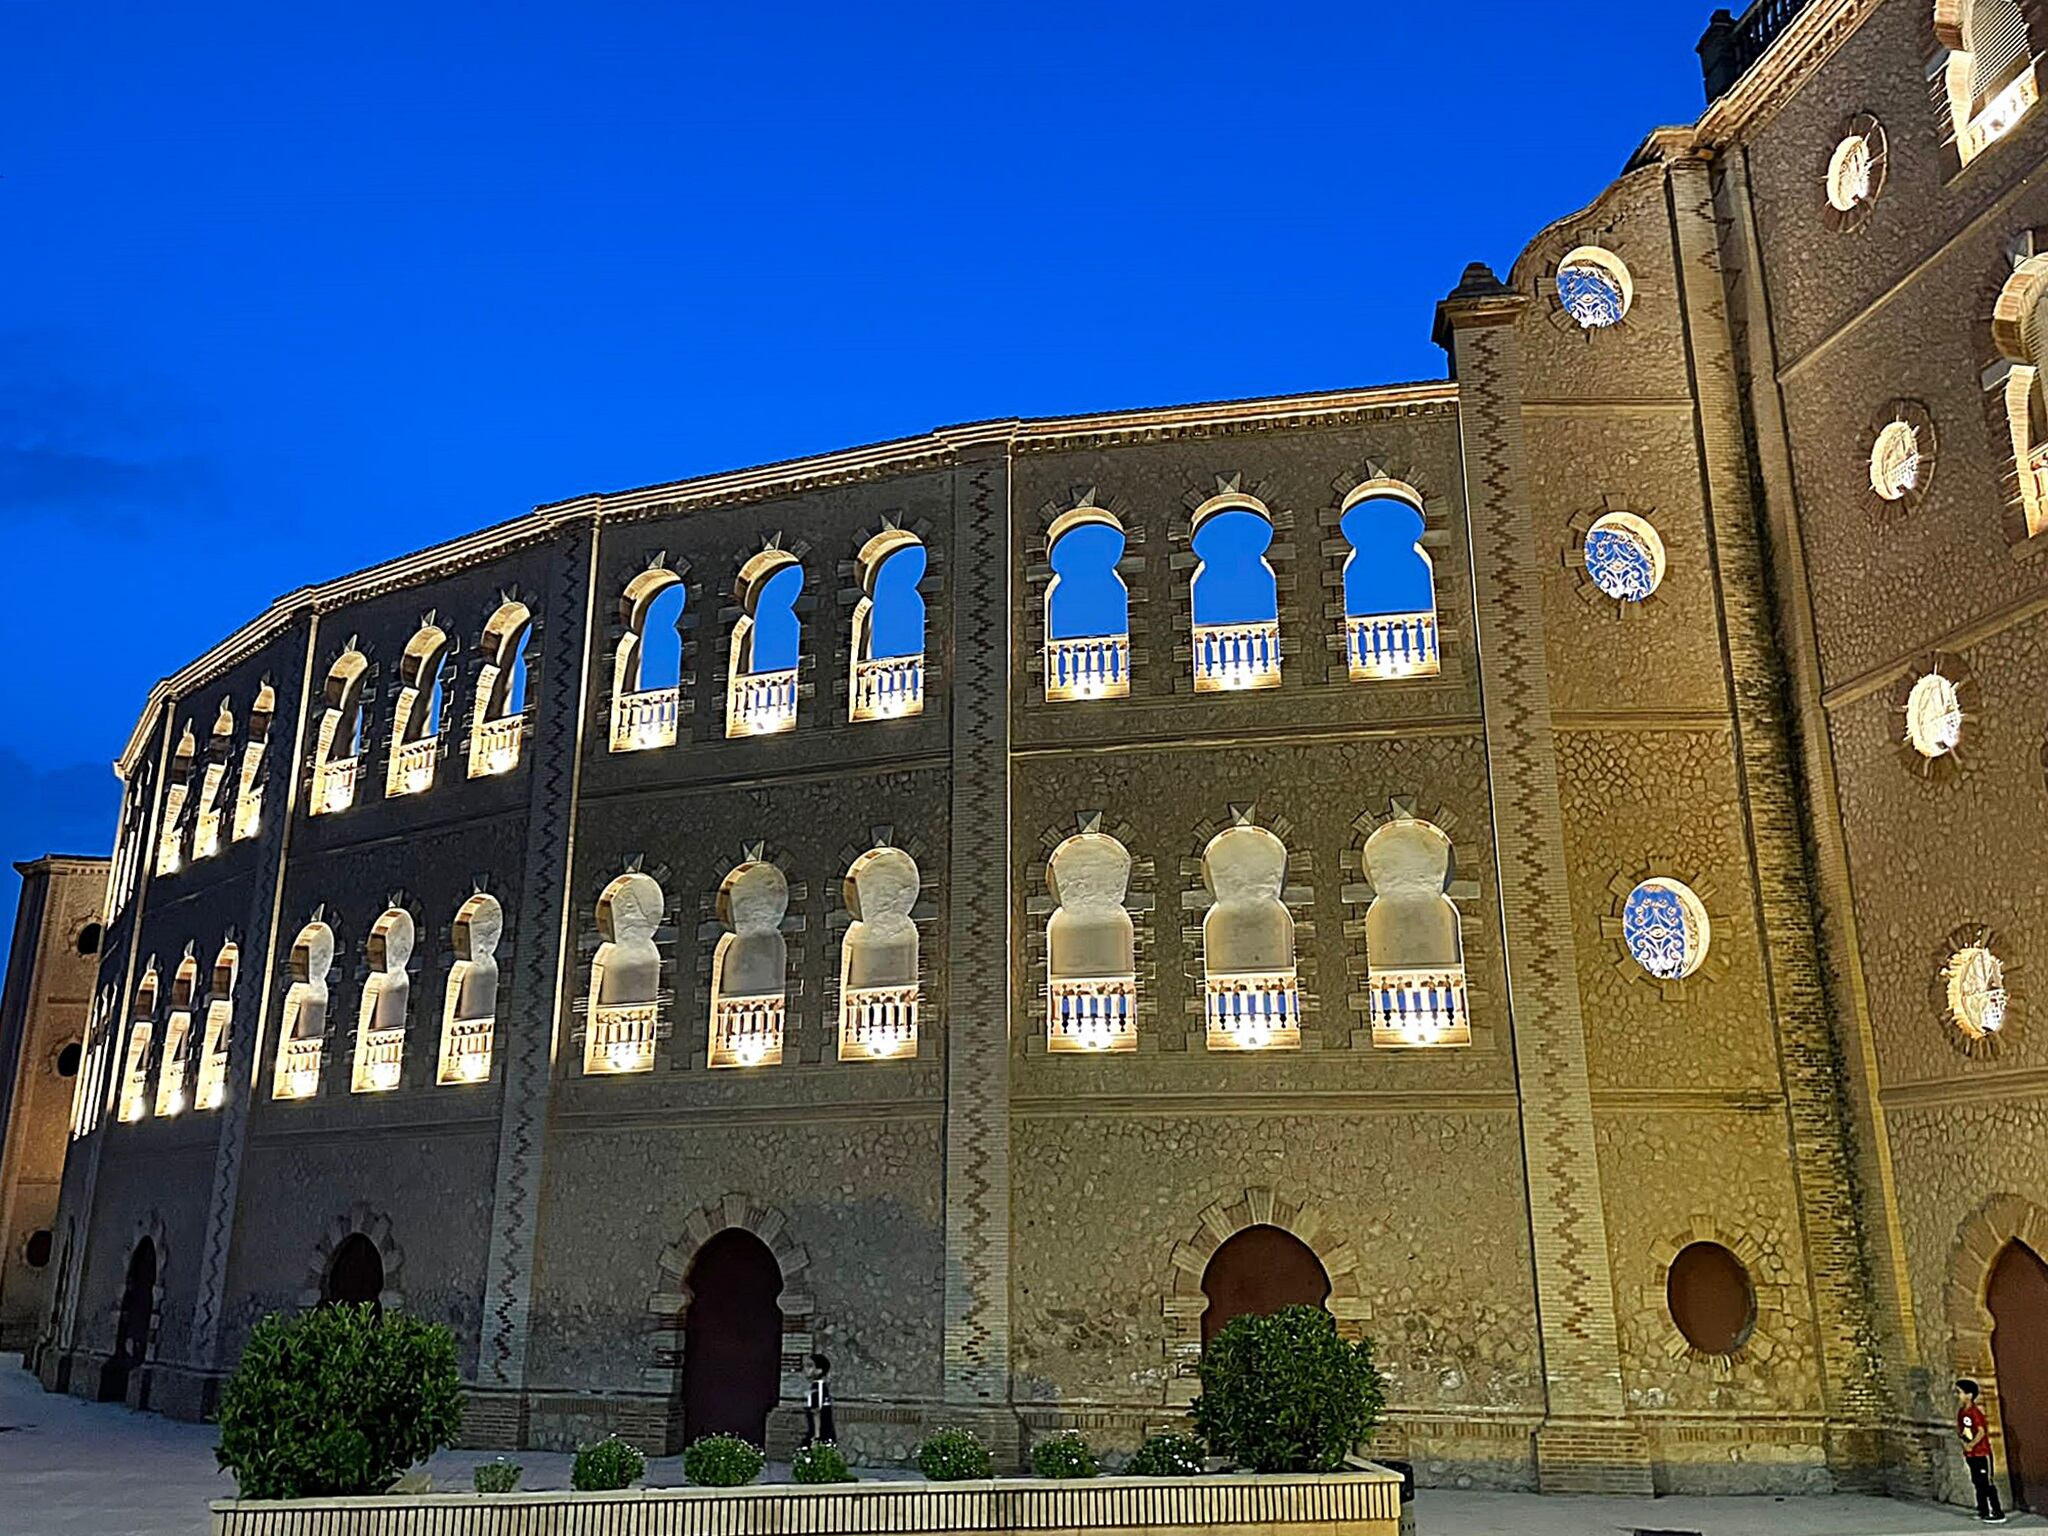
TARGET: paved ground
(69,1468)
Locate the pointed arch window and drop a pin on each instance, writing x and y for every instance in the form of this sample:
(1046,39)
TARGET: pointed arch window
(172,1078)
(1390,627)
(499,721)
(170,852)
(647,674)
(134,1091)
(1414,949)
(416,718)
(1252,996)
(220,752)
(750,968)
(251,772)
(1087,609)
(888,629)
(1235,597)
(1989,74)
(87,1092)
(302,1034)
(128,849)
(338,743)
(878,958)
(387,998)
(469,1019)
(1090,948)
(760,696)
(220,1017)
(625,978)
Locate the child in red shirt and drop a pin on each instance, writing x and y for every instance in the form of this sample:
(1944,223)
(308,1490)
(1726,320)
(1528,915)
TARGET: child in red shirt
(1974,1430)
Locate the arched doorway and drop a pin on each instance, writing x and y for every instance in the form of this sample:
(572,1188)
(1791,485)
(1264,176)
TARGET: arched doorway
(355,1274)
(732,1338)
(2018,1301)
(131,1337)
(1260,1270)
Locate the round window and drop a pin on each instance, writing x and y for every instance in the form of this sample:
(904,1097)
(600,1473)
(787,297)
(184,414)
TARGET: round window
(1624,556)
(89,939)
(36,1251)
(1594,287)
(1934,716)
(1711,1299)
(1976,991)
(1849,173)
(67,1060)
(1895,461)
(1666,929)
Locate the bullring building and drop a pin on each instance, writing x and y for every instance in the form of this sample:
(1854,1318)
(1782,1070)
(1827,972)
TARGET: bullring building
(992,906)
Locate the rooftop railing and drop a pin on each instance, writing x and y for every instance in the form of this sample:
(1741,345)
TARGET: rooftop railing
(1732,44)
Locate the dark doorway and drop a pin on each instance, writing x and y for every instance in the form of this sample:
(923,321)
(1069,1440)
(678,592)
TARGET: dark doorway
(732,1338)
(1260,1270)
(2018,1299)
(355,1274)
(131,1337)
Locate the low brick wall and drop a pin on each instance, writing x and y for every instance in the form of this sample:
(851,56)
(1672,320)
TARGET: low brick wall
(1342,1504)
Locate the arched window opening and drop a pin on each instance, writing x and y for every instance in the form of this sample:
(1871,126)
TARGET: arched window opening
(87,1102)
(220,1018)
(1711,1298)
(878,962)
(732,1338)
(1256,1273)
(1989,75)
(387,996)
(469,1020)
(625,978)
(760,695)
(220,751)
(355,1275)
(888,629)
(302,1034)
(2019,326)
(416,718)
(1087,609)
(2016,1296)
(499,721)
(338,745)
(128,846)
(141,1036)
(171,1077)
(1236,598)
(170,853)
(1414,951)
(1389,585)
(1252,999)
(1090,948)
(133,1333)
(750,968)
(647,674)
(250,775)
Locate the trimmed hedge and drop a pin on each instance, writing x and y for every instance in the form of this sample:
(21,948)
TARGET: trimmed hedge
(1168,1456)
(607,1466)
(954,1456)
(1063,1455)
(821,1462)
(722,1461)
(1286,1393)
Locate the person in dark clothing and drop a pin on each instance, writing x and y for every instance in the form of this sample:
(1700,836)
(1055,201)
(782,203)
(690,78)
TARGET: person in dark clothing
(1973,1428)
(818,1402)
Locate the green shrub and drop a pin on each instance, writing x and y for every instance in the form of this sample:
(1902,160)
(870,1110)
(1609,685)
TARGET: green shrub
(497,1475)
(337,1401)
(1168,1456)
(608,1465)
(722,1461)
(1286,1394)
(820,1462)
(1063,1455)
(954,1456)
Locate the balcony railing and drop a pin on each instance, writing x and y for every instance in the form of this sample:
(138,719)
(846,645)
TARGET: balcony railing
(412,766)
(761,703)
(298,1067)
(1419,1007)
(1383,645)
(380,1060)
(746,1031)
(135,1082)
(1092,667)
(212,1091)
(1230,657)
(888,688)
(206,833)
(644,721)
(466,1053)
(1095,1013)
(877,1023)
(1253,1011)
(621,1038)
(334,785)
(496,747)
(249,794)
(1998,116)
(170,1080)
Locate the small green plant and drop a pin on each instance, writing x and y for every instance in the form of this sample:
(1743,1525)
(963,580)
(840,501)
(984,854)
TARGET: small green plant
(953,1456)
(722,1461)
(497,1475)
(820,1462)
(1063,1455)
(608,1465)
(337,1401)
(1287,1393)
(1168,1456)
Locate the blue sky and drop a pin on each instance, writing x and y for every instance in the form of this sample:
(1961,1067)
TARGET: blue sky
(290,290)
